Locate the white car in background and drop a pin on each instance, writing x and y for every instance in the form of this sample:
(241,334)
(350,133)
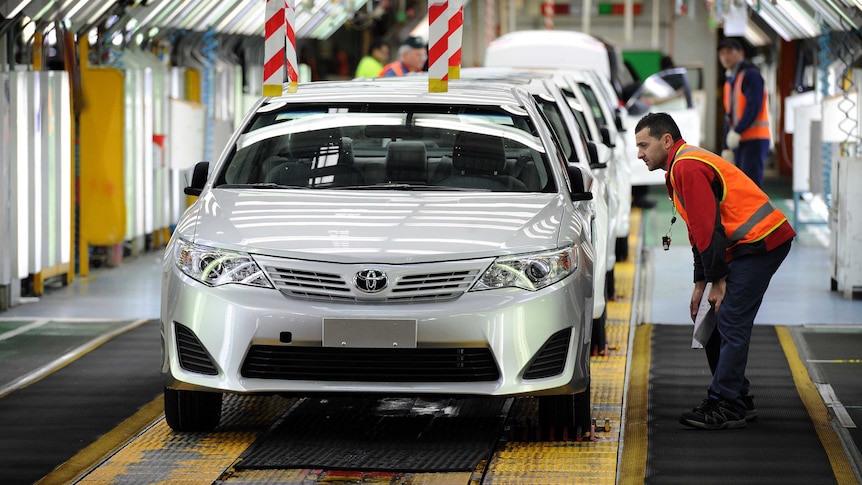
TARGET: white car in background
(604,125)
(590,61)
(547,88)
(561,49)
(370,237)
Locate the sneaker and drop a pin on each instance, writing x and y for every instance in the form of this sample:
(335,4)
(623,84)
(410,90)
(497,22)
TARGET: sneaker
(750,411)
(713,414)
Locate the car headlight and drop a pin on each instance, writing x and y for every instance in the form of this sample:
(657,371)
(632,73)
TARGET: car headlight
(216,267)
(529,271)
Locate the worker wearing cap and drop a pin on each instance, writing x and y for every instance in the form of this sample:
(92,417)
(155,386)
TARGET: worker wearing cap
(411,58)
(746,120)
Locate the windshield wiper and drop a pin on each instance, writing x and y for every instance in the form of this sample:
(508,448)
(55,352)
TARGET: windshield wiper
(404,186)
(261,185)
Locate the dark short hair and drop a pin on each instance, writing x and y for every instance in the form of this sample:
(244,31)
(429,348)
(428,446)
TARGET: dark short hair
(375,44)
(730,43)
(659,124)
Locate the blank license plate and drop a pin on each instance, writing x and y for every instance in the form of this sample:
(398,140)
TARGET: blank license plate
(369,333)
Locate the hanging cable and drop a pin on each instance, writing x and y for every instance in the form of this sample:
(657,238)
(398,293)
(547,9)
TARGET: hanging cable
(825,58)
(209,53)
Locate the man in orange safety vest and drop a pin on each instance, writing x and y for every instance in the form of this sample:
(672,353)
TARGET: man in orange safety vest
(746,120)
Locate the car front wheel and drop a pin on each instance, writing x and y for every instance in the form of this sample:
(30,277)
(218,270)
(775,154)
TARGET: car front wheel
(192,410)
(621,248)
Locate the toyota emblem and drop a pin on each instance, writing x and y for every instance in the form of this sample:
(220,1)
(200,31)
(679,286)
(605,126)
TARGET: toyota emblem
(371,281)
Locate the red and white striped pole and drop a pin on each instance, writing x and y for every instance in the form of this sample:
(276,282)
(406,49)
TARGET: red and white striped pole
(548,11)
(291,56)
(456,33)
(273,48)
(490,21)
(438,46)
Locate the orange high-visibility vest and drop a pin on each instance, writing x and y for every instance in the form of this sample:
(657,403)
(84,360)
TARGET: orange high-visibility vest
(396,67)
(759,130)
(748,216)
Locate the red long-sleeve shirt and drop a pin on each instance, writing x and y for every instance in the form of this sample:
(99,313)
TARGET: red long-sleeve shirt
(700,187)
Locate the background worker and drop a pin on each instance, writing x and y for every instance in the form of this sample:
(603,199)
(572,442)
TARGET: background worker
(411,58)
(739,239)
(372,63)
(746,120)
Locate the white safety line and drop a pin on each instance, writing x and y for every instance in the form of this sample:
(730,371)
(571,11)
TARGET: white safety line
(23,328)
(66,359)
(831,401)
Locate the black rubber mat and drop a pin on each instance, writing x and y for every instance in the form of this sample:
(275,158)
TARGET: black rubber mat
(46,423)
(401,435)
(780,447)
(40,346)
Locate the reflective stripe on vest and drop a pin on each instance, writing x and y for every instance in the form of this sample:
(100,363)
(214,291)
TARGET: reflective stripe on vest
(750,216)
(759,129)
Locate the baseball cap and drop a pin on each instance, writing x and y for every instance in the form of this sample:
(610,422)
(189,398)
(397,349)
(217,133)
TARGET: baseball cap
(729,43)
(414,42)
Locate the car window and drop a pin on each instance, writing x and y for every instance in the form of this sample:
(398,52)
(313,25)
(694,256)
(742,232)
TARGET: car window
(595,106)
(558,125)
(578,111)
(384,145)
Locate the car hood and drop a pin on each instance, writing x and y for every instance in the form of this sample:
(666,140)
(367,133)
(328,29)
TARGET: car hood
(375,226)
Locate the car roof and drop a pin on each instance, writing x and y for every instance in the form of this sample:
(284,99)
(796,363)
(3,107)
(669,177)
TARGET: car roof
(412,90)
(549,49)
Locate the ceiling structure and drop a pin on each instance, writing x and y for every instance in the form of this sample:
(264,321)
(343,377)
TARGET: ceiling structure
(318,19)
(315,19)
(802,19)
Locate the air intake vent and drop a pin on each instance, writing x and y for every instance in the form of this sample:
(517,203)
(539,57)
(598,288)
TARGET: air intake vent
(551,358)
(192,354)
(370,365)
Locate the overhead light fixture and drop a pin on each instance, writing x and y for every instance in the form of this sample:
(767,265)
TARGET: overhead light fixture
(754,35)
(835,14)
(766,11)
(18,8)
(239,12)
(800,18)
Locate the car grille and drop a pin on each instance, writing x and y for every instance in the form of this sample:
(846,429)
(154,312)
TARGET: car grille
(313,285)
(192,354)
(370,365)
(551,358)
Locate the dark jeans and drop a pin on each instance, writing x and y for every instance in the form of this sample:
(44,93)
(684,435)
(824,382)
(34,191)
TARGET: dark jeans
(727,348)
(750,157)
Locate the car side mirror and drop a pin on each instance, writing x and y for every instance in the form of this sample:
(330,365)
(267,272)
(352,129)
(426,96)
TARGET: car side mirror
(199,179)
(618,121)
(580,181)
(606,137)
(595,158)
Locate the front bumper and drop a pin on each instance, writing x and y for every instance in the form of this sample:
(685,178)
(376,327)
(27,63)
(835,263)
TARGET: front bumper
(516,332)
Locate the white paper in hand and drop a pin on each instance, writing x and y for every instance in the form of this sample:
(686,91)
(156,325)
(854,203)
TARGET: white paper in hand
(704,322)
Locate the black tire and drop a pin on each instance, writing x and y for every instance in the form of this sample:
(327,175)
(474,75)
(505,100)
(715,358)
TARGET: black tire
(192,410)
(599,337)
(583,411)
(557,412)
(610,286)
(622,249)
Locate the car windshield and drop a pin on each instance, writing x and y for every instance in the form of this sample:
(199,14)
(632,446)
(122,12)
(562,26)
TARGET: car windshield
(427,147)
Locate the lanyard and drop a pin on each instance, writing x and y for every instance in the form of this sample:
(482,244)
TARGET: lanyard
(666,239)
